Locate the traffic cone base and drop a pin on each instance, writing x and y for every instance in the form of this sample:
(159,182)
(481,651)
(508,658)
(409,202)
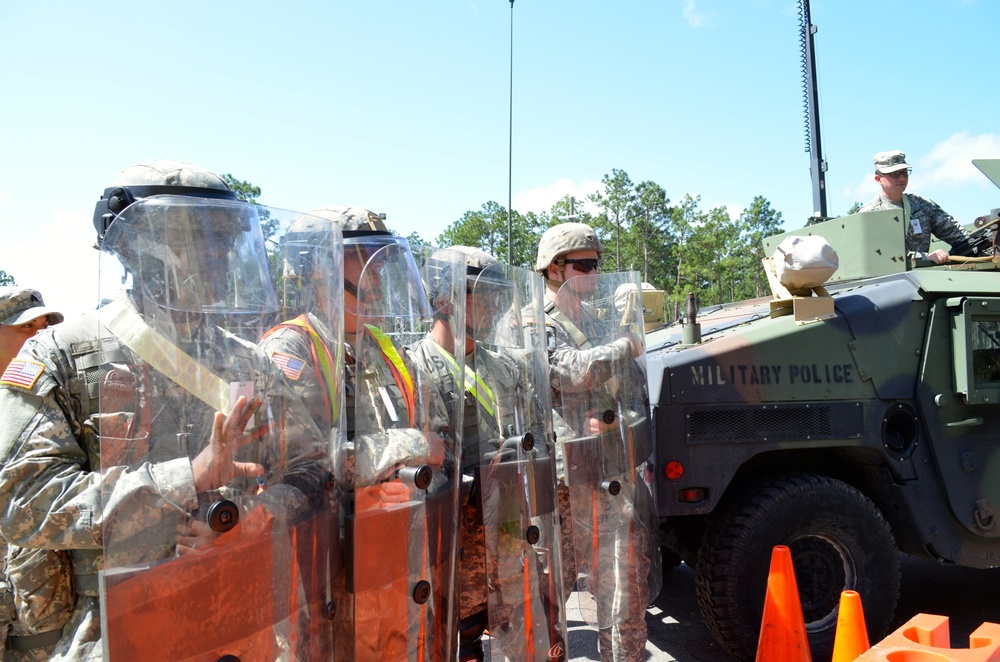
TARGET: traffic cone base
(925,637)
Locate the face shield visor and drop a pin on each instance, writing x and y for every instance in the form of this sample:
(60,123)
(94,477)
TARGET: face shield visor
(195,255)
(313,270)
(493,308)
(381,279)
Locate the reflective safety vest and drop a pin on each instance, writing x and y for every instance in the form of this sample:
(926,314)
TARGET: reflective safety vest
(394,361)
(328,367)
(475,385)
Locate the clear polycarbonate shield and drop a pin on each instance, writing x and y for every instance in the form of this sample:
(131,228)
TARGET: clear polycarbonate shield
(215,478)
(608,450)
(195,255)
(507,375)
(401,538)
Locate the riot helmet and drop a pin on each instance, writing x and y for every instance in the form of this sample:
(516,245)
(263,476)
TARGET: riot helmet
(490,296)
(379,269)
(185,241)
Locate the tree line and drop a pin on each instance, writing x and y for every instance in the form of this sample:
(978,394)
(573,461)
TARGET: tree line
(677,247)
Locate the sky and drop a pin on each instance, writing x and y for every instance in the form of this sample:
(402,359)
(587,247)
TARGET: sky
(406,107)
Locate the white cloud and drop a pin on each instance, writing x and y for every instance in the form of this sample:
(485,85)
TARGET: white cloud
(56,258)
(695,18)
(949,163)
(540,199)
(947,167)
(863,190)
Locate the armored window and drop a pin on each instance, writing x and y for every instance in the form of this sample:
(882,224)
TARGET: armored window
(976,345)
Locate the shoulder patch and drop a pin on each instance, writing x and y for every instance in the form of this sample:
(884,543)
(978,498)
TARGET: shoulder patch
(22,373)
(292,366)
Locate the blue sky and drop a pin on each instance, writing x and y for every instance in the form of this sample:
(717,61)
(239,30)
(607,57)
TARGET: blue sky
(402,107)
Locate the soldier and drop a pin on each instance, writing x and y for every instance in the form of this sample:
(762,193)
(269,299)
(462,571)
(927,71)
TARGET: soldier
(398,461)
(921,216)
(509,536)
(22,314)
(606,506)
(154,452)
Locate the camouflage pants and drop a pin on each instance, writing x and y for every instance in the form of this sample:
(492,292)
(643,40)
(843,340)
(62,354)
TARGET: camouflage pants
(501,573)
(609,564)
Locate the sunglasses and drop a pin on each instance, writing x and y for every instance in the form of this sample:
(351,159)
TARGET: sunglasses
(585,264)
(897,174)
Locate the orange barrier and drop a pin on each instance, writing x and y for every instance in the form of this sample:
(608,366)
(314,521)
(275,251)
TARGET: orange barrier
(852,635)
(925,638)
(782,627)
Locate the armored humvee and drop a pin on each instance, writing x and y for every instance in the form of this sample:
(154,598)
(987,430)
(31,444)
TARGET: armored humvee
(849,424)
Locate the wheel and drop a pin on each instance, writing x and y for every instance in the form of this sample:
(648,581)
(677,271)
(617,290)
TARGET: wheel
(838,540)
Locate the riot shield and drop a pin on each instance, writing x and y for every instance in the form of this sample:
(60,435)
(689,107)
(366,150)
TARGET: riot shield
(216,482)
(507,375)
(400,538)
(600,378)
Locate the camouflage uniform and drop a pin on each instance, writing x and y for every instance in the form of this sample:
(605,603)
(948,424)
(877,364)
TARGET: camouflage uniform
(474,579)
(304,377)
(52,477)
(35,568)
(929,217)
(578,372)
(19,306)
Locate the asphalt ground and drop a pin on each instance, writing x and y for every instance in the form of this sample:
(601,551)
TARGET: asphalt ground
(967,596)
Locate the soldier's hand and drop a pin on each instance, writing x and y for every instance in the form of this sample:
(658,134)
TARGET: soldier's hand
(393,491)
(194,535)
(436,452)
(634,344)
(596,425)
(214,466)
(938,257)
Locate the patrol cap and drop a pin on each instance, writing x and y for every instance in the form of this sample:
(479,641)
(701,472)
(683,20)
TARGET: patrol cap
(891,161)
(20,306)
(565,238)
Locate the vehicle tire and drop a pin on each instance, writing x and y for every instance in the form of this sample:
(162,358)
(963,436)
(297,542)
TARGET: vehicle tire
(838,540)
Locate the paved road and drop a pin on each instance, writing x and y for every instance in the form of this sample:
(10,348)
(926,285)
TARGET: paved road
(676,632)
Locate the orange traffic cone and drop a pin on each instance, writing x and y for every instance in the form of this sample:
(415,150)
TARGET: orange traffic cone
(782,628)
(852,635)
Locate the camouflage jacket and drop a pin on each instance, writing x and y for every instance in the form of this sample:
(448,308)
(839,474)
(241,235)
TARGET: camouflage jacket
(925,218)
(487,400)
(71,472)
(577,368)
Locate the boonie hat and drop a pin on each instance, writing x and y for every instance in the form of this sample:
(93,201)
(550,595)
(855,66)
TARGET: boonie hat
(891,161)
(19,306)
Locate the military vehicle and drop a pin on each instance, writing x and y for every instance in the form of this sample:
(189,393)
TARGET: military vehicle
(848,422)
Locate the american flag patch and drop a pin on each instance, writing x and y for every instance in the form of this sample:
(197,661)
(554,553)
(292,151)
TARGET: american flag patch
(290,365)
(22,373)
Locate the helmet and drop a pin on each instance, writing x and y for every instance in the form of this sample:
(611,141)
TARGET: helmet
(187,242)
(565,238)
(492,292)
(151,178)
(476,259)
(353,221)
